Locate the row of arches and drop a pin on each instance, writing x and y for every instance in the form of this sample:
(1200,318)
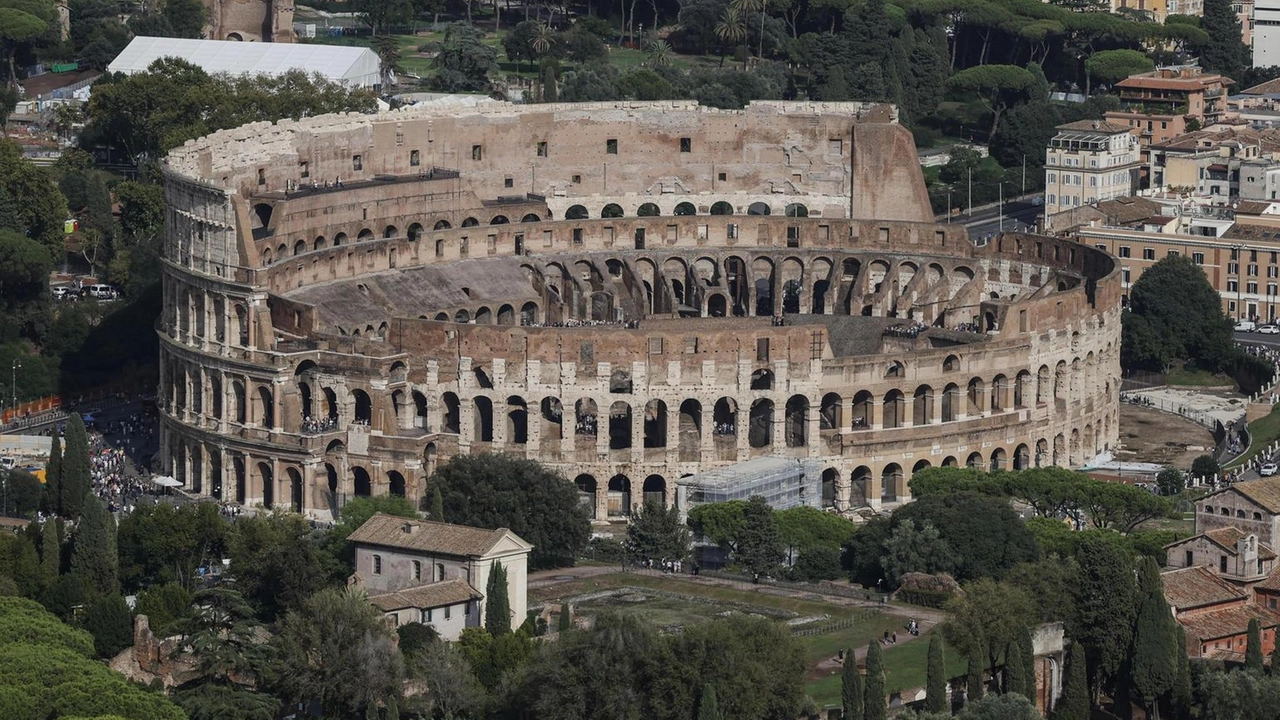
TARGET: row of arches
(684,209)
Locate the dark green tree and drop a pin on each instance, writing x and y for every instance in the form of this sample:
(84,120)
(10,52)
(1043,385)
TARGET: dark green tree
(231,659)
(851,690)
(494,491)
(76,481)
(1112,66)
(1015,672)
(999,87)
(186,17)
(1225,52)
(874,704)
(973,677)
(984,533)
(53,477)
(1169,299)
(1180,698)
(989,616)
(277,562)
(464,61)
(1105,597)
(51,550)
(437,506)
(1253,647)
(1074,704)
(1204,466)
(656,533)
(935,699)
(1170,481)
(165,607)
(759,547)
(1273,660)
(708,708)
(1153,659)
(1026,646)
(94,558)
(497,606)
(110,623)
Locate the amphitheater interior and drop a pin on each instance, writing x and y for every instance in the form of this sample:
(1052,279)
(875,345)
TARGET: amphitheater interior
(629,293)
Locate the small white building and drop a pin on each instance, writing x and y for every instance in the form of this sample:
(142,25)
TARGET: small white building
(436,573)
(1088,162)
(350,66)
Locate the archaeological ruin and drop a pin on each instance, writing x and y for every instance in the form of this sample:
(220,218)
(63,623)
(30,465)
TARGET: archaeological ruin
(627,292)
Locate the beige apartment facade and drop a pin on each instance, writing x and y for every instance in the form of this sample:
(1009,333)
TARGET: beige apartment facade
(1087,162)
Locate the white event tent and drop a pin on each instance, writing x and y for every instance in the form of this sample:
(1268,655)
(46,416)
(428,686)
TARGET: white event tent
(351,66)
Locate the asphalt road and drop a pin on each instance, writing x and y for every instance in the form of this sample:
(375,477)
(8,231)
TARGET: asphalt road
(1254,338)
(1017,216)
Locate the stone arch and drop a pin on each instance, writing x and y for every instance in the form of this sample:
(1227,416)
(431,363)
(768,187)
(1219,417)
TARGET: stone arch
(482,419)
(469,222)
(720,207)
(300,247)
(576,212)
(320,243)
(759,208)
(762,379)
(506,315)
(529,314)
(655,424)
(974,394)
(860,481)
(922,405)
(797,210)
(587,417)
(586,485)
(1021,457)
(442,225)
(365,235)
(830,479)
(689,425)
(648,210)
(340,239)
(517,420)
(363,407)
(894,409)
(611,211)
(484,316)
(655,490)
(530,218)
(999,460)
(861,412)
(830,412)
(620,425)
(796,426)
(396,483)
(390,231)
(760,429)
(415,231)
(619,497)
(452,413)
(686,208)
(891,480)
(725,418)
(361,483)
(974,461)
(499,220)
(920,465)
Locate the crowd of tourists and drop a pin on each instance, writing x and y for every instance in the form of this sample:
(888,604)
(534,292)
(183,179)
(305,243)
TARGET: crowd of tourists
(313,426)
(911,331)
(574,323)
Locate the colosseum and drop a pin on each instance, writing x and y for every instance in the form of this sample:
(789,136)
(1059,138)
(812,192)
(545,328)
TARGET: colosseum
(630,293)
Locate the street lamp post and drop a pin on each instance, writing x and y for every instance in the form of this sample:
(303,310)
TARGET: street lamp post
(13,386)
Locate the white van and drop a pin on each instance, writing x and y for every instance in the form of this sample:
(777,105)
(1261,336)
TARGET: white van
(101,292)
(1246,326)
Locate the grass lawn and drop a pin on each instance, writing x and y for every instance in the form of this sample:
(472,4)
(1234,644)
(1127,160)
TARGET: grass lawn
(1264,431)
(1198,378)
(905,666)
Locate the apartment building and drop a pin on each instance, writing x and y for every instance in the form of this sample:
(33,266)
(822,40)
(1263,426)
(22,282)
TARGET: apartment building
(1158,105)
(1087,162)
(1220,165)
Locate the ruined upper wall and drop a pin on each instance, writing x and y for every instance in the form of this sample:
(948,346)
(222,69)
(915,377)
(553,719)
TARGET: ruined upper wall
(587,149)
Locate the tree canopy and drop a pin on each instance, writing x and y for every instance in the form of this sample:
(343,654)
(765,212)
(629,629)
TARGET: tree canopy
(1175,314)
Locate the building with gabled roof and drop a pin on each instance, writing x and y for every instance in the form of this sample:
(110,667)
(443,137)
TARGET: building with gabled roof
(436,573)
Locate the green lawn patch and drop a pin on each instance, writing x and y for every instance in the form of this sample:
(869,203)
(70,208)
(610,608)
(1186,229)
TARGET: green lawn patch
(1262,432)
(1198,378)
(810,605)
(905,666)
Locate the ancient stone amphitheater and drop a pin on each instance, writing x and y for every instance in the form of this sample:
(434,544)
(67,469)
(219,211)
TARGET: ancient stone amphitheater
(627,292)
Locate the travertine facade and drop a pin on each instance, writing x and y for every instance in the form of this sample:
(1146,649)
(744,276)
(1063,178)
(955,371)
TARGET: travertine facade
(594,286)
(250,20)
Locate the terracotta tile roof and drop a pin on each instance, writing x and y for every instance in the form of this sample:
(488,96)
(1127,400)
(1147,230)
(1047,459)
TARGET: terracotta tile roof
(1267,88)
(1252,207)
(1198,82)
(1101,126)
(1272,582)
(1127,210)
(1197,586)
(1228,622)
(1227,537)
(429,537)
(1265,492)
(431,595)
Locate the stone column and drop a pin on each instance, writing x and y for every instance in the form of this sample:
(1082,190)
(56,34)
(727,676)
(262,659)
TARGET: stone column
(876,413)
(935,402)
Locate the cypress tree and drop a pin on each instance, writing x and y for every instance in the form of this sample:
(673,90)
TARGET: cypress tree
(94,559)
(935,700)
(1180,697)
(371,711)
(1074,704)
(874,705)
(51,551)
(393,708)
(1028,649)
(851,689)
(53,478)
(1015,673)
(1154,654)
(437,505)
(973,691)
(1253,648)
(497,606)
(708,707)
(566,617)
(1275,660)
(75,468)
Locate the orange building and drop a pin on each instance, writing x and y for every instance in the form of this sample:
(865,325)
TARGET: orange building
(1157,105)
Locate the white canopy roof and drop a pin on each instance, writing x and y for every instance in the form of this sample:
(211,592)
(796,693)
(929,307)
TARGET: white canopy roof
(165,481)
(352,66)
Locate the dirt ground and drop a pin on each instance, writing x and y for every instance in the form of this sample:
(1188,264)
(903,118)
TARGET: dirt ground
(1153,436)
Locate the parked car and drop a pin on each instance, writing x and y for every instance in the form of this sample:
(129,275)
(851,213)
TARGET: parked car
(1269,329)
(101,292)
(1246,326)
(1268,469)
(65,292)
